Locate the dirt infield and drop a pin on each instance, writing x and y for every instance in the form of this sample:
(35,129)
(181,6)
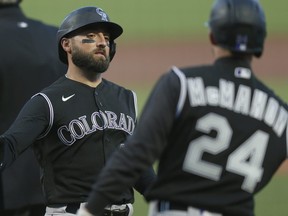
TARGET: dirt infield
(145,62)
(142,63)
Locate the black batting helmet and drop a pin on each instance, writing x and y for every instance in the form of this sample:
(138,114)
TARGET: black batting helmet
(238,25)
(86,17)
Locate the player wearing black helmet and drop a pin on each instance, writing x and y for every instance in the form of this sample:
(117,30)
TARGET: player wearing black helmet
(238,26)
(77,123)
(219,133)
(78,20)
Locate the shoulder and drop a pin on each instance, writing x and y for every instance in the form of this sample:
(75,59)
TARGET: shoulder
(42,24)
(195,70)
(182,73)
(271,93)
(57,85)
(116,87)
(118,93)
(41,27)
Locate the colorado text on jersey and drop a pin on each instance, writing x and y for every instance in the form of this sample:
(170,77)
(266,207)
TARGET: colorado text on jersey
(78,128)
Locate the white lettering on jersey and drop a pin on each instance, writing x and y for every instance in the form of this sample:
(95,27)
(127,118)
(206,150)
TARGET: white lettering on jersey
(78,128)
(271,111)
(212,96)
(258,104)
(281,122)
(226,89)
(196,92)
(242,101)
(255,104)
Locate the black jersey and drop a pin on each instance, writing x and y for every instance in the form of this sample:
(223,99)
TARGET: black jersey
(77,128)
(27,65)
(219,133)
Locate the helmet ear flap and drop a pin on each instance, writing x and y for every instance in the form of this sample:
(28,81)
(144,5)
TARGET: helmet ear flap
(112,50)
(212,39)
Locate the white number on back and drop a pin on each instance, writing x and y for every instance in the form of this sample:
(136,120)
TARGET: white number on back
(246,160)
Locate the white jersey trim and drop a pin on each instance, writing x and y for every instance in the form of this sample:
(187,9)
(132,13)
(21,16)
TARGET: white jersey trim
(135,104)
(51,112)
(183,89)
(287,141)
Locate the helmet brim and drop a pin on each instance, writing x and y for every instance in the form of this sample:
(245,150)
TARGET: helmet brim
(113,29)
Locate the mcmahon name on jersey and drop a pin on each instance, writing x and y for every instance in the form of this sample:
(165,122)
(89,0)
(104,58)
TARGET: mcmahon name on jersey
(246,101)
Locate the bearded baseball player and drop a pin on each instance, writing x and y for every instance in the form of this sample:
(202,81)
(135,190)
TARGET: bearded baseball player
(77,123)
(219,133)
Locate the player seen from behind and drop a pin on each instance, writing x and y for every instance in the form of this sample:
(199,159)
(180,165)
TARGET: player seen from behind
(220,134)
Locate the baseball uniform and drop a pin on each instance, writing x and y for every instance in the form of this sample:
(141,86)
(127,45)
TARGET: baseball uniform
(219,133)
(74,129)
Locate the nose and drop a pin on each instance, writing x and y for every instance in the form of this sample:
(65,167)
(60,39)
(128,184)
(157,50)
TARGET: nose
(101,40)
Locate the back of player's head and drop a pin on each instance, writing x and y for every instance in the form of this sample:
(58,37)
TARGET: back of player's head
(84,17)
(238,25)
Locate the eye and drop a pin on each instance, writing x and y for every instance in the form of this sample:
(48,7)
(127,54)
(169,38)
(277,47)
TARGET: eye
(107,38)
(91,35)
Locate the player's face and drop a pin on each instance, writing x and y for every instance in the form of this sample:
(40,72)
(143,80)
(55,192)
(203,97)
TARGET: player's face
(90,51)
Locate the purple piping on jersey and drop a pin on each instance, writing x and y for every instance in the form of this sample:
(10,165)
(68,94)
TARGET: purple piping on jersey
(51,118)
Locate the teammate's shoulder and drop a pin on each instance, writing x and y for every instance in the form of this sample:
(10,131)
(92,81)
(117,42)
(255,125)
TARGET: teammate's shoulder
(44,29)
(192,70)
(270,92)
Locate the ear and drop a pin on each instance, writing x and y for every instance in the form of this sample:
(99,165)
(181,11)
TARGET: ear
(112,50)
(66,44)
(212,39)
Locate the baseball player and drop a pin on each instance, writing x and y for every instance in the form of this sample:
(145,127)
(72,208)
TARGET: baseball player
(25,69)
(77,123)
(219,133)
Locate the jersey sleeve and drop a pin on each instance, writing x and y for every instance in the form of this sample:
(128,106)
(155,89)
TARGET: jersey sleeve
(143,147)
(145,181)
(32,120)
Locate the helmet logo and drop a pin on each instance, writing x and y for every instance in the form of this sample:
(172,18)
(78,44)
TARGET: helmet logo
(102,14)
(241,42)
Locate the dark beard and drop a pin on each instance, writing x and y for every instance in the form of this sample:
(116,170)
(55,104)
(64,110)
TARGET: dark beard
(88,63)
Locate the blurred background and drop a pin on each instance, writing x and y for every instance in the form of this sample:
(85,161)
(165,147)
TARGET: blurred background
(159,34)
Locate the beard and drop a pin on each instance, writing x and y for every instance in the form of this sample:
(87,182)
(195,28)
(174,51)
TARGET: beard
(88,63)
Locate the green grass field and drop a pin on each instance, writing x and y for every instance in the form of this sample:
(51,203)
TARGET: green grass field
(153,19)
(162,19)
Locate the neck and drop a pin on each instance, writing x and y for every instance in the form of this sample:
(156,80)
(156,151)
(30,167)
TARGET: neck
(219,52)
(92,80)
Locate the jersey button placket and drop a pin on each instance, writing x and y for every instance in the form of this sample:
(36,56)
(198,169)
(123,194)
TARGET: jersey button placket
(98,101)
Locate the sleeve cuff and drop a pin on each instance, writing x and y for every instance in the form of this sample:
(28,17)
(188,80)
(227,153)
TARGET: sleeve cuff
(96,204)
